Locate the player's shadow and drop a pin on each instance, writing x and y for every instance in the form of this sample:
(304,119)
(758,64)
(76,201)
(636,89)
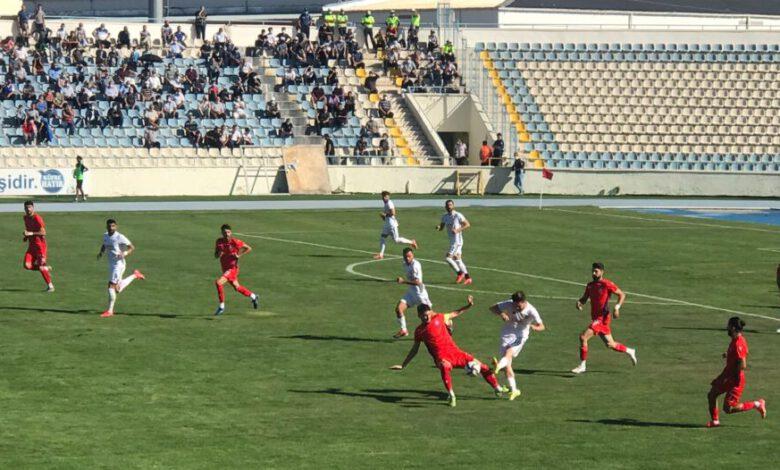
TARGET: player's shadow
(763,306)
(321,255)
(92,312)
(551,373)
(351,339)
(697,328)
(14,289)
(405,397)
(636,423)
(362,279)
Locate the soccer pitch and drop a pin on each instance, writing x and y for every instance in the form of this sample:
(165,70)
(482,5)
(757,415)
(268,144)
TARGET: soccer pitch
(304,381)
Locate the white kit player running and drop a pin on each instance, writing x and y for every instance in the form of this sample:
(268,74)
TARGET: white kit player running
(118,248)
(390,228)
(455,223)
(520,317)
(415,294)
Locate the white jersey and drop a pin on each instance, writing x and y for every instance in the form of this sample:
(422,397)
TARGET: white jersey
(390,219)
(519,320)
(114,246)
(414,273)
(452,221)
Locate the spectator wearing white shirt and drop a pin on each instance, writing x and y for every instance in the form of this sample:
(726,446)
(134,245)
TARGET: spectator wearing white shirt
(221,38)
(102,35)
(239,109)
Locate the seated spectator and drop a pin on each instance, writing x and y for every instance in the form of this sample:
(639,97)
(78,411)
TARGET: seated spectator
(433,42)
(385,108)
(236,137)
(372,126)
(29,131)
(204,107)
(290,77)
(150,137)
(323,119)
(286,130)
(123,39)
(272,110)
(239,109)
(151,116)
(69,119)
(45,131)
(175,49)
(220,38)
(115,117)
(192,133)
(180,37)
(247,138)
(218,110)
(101,35)
(384,149)
(360,150)
(213,138)
(370,82)
(170,110)
(153,82)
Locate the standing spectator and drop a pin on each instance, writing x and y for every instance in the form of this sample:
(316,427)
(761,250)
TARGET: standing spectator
(368,30)
(192,132)
(146,38)
(286,130)
(78,175)
(166,33)
(180,36)
(485,153)
(341,24)
(150,137)
(123,40)
(414,25)
(101,35)
(69,119)
(23,22)
(29,130)
(461,153)
(221,38)
(330,150)
(519,168)
(304,24)
(498,150)
(200,23)
(384,149)
(248,137)
(39,19)
(360,151)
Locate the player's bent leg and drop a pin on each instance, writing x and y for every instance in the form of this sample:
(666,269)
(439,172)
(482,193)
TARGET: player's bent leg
(400,316)
(585,336)
(246,293)
(220,285)
(618,347)
(712,404)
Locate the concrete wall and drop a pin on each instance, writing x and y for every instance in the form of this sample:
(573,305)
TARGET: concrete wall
(173,7)
(456,113)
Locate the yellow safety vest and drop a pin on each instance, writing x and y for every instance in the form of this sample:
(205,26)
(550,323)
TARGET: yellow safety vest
(447,49)
(329,19)
(368,21)
(416,21)
(342,20)
(392,21)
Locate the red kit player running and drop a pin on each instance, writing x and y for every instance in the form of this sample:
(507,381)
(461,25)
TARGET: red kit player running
(732,380)
(35,236)
(446,354)
(599,291)
(228,250)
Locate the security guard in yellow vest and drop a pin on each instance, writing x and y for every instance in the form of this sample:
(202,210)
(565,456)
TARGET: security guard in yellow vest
(448,51)
(368,30)
(415,24)
(392,20)
(341,23)
(329,19)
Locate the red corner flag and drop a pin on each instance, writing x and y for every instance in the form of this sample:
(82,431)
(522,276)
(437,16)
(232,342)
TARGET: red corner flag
(547,174)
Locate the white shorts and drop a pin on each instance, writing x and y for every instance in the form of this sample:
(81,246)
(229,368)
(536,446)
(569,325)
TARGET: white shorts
(390,230)
(456,249)
(116,272)
(511,341)
(413,299)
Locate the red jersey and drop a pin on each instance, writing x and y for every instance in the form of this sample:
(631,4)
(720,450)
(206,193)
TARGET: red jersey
(599,293)
(34,223)
(437,338)
(738,350)
(228,251)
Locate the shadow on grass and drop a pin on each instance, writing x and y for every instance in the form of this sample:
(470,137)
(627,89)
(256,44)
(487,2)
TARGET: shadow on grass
(91,312)
(321,255)
(637,423)
(553,373)
(697,328)
(14,289)
(361,279)
(353,339)
(405,397)
(777,307)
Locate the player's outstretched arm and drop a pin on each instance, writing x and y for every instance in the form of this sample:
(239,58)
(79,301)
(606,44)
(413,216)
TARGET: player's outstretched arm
(496,310)
(409,357)
(243,250)
(621,298)
(462,310)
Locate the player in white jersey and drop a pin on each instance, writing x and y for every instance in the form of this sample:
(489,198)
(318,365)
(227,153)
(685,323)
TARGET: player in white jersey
(455,223)
(118,248)
(415,294)
(390,229)
(520,317)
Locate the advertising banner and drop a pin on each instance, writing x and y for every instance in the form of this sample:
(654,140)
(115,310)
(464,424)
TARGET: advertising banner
(38,182)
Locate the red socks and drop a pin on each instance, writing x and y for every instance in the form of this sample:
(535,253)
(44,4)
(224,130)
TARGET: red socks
(446,377)
(244,291)
(747,406)
(583,353)
(487,374)
(46,276)
(220,292)
(714,413)
(619,347)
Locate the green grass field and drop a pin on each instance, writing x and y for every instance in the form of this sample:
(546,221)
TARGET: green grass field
(304,381)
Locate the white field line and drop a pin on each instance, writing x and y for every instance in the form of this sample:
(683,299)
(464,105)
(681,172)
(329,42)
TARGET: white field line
(533,276)
(351,269)
(668,221)
(773,250)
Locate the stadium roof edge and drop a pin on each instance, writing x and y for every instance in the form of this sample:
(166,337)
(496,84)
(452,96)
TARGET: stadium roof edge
(384,5)
(578,11)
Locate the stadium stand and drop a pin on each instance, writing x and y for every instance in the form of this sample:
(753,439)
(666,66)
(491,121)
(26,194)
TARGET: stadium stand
(705,107)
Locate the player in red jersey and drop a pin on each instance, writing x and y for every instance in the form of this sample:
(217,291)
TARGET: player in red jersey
(446,354)
(228,250)
(732,380)
(599,291)
(35,236)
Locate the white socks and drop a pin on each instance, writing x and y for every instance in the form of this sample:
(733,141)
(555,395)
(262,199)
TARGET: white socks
(403,240)
(402,322)
(222,305)
(125,282)
(111,299)
(453,264)
(382,245)
(462,266)
(512,383)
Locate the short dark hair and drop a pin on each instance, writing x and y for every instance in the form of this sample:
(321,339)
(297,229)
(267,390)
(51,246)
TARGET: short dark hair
(737,323)
(110,221)
(598,265)
(28,203)
(449,201)
(225,227)
(518,296)
(422,308)
(385,193)
(407,250)
(484,142)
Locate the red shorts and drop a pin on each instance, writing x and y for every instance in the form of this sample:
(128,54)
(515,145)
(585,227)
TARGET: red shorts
(599,327)
(732,388)
(231,274)
(35,256)
(456,359)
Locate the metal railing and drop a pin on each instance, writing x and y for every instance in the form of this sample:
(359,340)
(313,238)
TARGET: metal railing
(388,160)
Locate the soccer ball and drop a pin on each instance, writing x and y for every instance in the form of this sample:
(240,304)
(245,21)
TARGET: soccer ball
(473,368)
